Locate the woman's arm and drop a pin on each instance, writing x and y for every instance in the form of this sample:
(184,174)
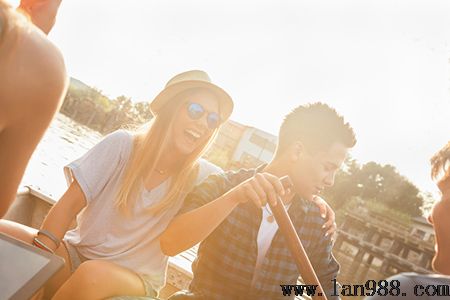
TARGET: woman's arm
(62,214)
(192,227)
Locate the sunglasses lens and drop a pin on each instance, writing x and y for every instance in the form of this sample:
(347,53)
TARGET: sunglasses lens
(195,111)
(213,120)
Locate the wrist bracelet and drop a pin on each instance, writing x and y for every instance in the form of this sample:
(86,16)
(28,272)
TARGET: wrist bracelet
(51,236)
(41,245)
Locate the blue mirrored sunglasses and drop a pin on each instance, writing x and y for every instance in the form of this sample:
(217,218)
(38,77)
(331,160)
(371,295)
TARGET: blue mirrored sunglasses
(196,111)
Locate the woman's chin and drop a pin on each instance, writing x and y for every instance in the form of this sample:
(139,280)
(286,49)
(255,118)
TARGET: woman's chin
(184,149)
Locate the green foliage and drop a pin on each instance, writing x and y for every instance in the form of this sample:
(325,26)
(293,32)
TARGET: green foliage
(380,187)
(90,107)
(384,210)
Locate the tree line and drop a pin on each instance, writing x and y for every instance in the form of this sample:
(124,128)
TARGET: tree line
(378,188)
(88,106)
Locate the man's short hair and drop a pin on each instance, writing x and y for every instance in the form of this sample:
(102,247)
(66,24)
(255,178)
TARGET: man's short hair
(317,126)
(440,162)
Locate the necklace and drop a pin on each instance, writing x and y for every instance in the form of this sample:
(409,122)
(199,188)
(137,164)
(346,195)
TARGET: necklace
(160,172)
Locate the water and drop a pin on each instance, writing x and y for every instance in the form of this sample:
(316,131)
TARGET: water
(63,142)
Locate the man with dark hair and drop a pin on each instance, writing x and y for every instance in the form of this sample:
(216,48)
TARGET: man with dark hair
(243,255)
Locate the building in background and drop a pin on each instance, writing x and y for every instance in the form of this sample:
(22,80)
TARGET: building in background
(421,229)
(240,146)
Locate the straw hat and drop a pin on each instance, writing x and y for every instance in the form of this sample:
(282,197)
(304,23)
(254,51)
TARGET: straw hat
(188,80)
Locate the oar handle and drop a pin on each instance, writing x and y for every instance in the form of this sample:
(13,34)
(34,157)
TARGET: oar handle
(295,245)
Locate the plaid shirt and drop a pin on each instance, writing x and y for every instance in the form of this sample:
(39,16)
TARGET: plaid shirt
(226,259)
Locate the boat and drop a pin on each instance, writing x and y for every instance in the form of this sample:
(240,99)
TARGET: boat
(32,205)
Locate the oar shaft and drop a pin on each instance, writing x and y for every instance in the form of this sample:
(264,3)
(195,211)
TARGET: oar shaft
(295,246)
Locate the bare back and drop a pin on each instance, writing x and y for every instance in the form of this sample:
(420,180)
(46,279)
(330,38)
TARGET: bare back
(32,84)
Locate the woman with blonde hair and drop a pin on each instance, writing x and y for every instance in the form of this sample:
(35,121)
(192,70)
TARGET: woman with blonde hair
(33,82)
(125,191)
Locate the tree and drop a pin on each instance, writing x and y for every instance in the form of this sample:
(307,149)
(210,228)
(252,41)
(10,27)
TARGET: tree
(142,111)
(374,182)
(88,106)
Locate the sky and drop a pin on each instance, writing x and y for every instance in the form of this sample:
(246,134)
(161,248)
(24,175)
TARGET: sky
(384,65)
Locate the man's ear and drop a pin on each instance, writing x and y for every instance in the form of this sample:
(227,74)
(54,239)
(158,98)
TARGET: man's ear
(297,150)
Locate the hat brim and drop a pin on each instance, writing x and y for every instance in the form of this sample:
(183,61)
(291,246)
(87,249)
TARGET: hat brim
(170,92)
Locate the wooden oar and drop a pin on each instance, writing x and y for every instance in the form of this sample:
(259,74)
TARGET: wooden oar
(295,245)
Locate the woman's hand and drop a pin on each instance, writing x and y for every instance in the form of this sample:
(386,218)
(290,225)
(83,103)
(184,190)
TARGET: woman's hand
(326,212)
(42,12)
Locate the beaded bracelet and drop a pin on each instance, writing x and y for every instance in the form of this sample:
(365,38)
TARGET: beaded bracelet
(51,236)
(41,245)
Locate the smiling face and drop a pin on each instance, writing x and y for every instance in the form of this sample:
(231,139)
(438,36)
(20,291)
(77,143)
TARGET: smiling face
(311,173)
(190,133)
(440,220)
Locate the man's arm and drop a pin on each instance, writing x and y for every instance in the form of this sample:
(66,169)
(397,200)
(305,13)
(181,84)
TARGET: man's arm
(199,221)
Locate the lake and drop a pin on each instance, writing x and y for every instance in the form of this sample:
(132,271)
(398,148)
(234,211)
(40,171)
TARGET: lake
(63,142)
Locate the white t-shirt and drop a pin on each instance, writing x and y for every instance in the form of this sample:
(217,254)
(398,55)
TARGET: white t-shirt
(266,233)
(102,231)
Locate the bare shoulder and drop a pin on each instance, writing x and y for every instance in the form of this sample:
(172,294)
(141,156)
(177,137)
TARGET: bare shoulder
(32,72)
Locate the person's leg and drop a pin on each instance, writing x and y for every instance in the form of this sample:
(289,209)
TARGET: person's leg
(26,234)
(99,279)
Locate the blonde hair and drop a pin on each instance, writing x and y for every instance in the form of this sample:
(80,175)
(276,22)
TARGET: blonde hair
(149,145)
